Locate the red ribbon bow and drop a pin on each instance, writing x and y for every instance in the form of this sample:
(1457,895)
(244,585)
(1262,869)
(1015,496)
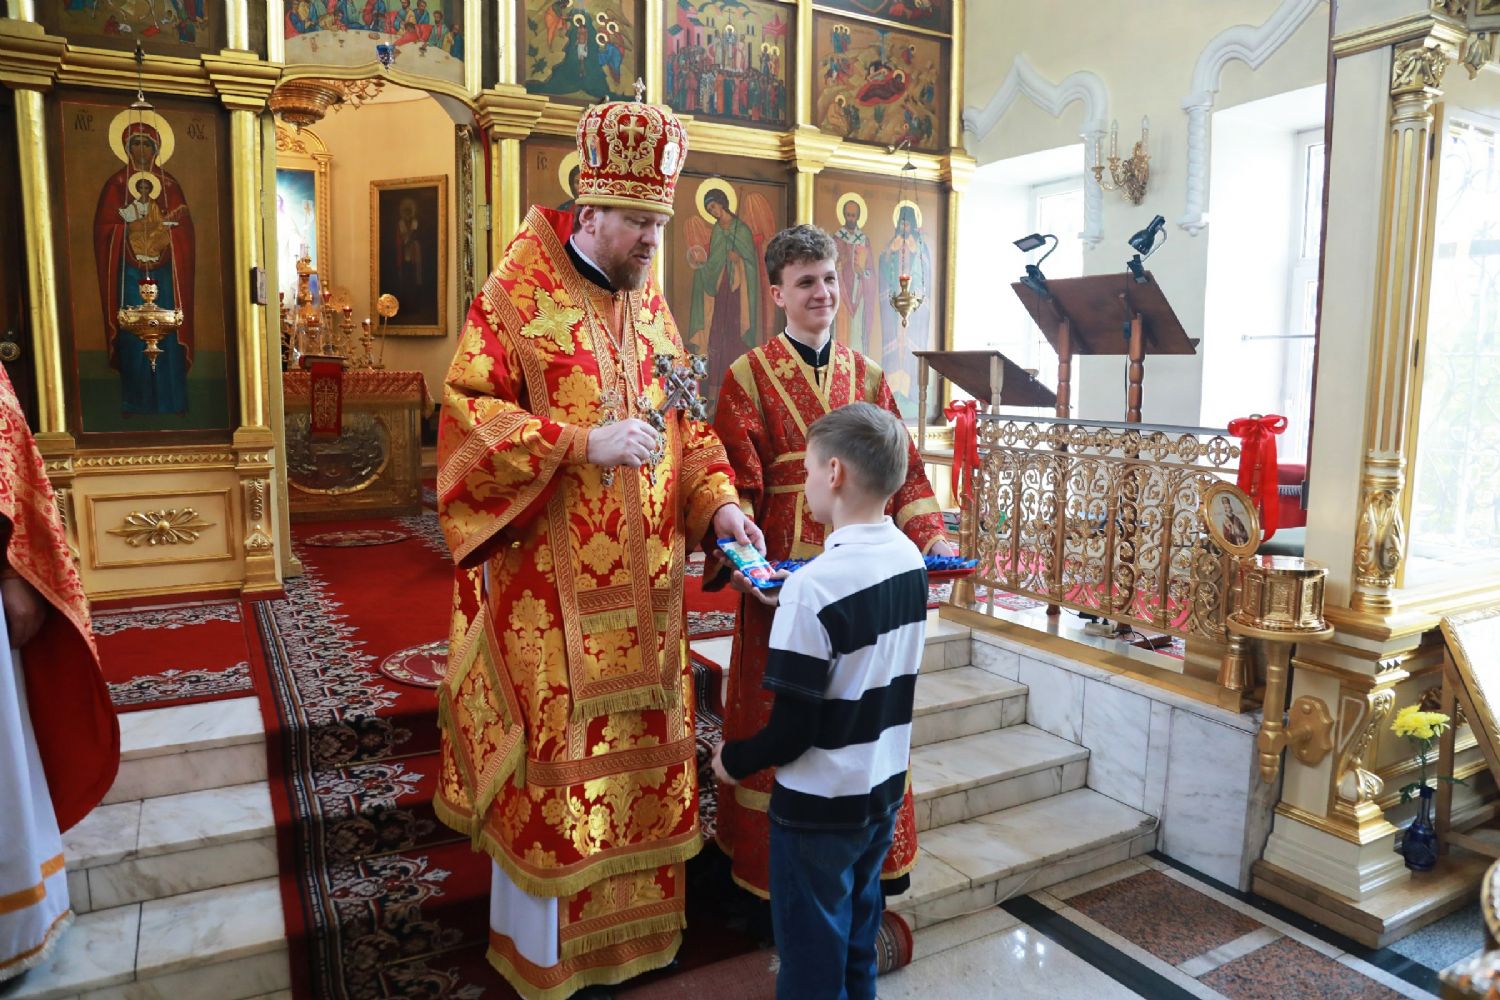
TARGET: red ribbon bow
(964,414)
(1257,475)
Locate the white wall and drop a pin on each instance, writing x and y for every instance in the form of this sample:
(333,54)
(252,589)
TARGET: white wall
(1256,187)
(998,209)
(404,138)
(1145,55)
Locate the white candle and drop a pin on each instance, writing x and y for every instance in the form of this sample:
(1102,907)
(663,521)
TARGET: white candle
(1145,128)
(1114,138)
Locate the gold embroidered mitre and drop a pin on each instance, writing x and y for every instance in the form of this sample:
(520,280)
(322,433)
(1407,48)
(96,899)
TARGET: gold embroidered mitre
(630,155)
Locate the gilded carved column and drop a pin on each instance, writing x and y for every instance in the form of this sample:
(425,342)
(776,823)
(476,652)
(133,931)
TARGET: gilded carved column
(1380,535)
(244,82)
(29,61)
(959,171)
(812,149)
(507,114)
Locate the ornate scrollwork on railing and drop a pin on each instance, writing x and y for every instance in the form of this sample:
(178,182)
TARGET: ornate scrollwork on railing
(1103,518)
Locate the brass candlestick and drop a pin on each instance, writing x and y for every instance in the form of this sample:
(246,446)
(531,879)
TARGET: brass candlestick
(366,341)
(149,321)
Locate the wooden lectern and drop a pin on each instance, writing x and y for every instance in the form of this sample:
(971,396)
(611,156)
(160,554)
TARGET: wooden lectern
(1105,314)
(988,376)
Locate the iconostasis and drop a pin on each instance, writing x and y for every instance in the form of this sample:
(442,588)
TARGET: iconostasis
(164,171)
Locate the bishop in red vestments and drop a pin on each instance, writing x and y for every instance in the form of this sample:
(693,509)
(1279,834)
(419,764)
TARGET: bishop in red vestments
(567,712)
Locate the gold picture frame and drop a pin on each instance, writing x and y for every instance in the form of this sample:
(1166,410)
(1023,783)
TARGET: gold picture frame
(302,152)
(409,252)
(1231,519)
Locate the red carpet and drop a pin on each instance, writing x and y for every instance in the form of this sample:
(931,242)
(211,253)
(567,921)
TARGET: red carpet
(173,654)
(381,900)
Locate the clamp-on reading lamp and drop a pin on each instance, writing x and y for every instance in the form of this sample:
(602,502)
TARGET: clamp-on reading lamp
(1033,278)
(1144,243)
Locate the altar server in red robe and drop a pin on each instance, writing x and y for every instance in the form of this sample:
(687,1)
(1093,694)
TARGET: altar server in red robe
(59,740)
(770,397)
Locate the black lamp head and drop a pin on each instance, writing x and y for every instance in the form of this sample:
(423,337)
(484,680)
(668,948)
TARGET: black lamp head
(1028,243)
(1143,241)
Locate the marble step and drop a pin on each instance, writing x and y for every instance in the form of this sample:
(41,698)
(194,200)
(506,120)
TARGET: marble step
(187,748)
(947,644)
(129,852)
(220,944)
(961,779)
(962,701)
(966,867)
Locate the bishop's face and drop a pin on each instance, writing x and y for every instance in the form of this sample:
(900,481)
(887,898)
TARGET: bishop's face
(851,215)
(622,242)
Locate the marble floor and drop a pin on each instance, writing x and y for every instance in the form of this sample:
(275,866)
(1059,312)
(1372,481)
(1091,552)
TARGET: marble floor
(1147,928)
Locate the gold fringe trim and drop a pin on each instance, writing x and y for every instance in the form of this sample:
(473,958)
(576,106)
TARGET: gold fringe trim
(591,870)
(624,932)
(604,975)
(632,700)
(512,765)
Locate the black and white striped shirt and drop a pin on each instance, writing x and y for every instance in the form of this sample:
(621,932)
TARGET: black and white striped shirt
(846,645)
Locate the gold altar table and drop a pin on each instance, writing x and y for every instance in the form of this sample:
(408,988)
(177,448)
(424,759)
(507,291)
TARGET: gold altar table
(374,466)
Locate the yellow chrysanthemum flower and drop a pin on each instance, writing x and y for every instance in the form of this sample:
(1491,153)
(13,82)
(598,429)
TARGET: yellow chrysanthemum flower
(1413,723)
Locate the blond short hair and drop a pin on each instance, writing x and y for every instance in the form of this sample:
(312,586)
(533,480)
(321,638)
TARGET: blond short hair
(869,440)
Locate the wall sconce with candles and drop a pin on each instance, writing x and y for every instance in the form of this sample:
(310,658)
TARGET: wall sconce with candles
(1129,175)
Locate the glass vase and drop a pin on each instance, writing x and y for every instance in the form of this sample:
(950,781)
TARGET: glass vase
(1420,845)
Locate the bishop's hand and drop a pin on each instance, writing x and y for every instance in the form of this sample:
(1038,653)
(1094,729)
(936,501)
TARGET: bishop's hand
(628,442)
(24,610)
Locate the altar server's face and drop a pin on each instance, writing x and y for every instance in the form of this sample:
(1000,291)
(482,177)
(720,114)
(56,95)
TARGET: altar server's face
(809,293)
(621,241)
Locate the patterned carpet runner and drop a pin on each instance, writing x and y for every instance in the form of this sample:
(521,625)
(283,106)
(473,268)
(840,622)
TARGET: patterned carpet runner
(381,899)
(174,654)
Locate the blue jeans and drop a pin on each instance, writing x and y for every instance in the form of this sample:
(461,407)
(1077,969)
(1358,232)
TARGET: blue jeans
(826,905)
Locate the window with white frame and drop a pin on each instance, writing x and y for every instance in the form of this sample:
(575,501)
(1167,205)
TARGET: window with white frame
(1302,296)
(1057,208)
(1455,500)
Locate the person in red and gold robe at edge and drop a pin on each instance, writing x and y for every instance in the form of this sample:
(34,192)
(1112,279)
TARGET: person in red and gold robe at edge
(567,710)
(59,739)
(770,397)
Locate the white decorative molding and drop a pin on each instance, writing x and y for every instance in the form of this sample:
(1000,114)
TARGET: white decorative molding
(1251,45)
(1085,87)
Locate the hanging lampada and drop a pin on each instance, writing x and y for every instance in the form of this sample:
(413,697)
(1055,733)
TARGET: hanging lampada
(148,321)
(906,299)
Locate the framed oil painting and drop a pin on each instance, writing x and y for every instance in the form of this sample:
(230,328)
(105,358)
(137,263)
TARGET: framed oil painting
(154,183)
(163,27)
(427,36)
(727,208)
(934,15)
(409,252)
(304,222)
(880,236)
(731,62)
(581,50)
(880,85)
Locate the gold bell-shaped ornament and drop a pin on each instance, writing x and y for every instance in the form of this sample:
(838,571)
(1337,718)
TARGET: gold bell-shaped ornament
(904,300)
(149,321)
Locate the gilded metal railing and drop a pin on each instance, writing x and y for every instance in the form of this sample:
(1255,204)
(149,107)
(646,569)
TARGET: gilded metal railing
(1100,517)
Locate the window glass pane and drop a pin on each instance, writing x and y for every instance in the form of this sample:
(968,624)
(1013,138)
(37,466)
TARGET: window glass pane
(1456,482)
(1312,205)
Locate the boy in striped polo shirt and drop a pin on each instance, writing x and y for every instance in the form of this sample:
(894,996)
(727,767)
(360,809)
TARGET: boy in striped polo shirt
(846,644)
